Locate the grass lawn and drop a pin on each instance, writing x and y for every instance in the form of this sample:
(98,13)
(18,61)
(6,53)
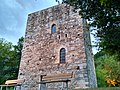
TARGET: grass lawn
(110,88)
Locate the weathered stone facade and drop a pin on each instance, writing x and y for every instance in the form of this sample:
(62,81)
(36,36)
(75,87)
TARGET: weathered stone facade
(41,51)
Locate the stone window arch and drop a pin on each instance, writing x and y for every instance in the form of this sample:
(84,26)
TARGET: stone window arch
(53,28)
(62,55)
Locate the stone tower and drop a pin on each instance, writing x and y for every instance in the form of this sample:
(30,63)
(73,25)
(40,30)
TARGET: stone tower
(57,41)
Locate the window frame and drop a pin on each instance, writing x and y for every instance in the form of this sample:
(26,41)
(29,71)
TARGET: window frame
(62,55)
(53,28)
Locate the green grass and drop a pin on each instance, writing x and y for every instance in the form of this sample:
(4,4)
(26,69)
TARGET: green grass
(9,88)
(110,88)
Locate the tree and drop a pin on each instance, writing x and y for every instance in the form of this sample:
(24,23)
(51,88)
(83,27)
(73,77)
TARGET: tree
(105,16)
(9,59)
(5,56)
(107,70)
(17,54)
(18,47)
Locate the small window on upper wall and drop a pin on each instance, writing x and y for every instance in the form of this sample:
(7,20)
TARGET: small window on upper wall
(53,28)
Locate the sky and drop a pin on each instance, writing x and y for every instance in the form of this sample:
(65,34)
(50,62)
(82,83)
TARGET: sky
(14,14)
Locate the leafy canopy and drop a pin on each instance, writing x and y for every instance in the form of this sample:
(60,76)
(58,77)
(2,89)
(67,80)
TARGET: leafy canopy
(9,59)
(105,16)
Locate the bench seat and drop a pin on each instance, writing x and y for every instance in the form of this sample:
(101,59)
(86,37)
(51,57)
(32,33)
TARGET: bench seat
(57,77)
(17,81)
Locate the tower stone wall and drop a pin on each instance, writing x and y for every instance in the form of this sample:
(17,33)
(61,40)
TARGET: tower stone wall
(41,50)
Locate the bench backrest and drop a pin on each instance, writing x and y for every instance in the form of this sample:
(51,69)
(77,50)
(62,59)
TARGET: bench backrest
(18,81)
(57,76)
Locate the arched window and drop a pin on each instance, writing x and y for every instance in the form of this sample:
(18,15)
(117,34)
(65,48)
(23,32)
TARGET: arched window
(62,55)
(53,28)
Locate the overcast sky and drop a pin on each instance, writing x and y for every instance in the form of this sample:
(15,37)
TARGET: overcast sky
(13,16)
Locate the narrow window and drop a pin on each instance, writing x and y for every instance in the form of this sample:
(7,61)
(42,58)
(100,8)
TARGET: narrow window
(53,28)
(59,36)
(66,35)
(62,55)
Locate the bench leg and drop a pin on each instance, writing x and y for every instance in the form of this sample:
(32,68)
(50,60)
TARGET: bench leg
(62,86)
(42,87)
(20,87)
(14,87)
(1,88)
(6,88)
(66,85)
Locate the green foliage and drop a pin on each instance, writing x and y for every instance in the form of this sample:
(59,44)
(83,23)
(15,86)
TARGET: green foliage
(18,48)
(107,69)
(100,72)
(9,59)
(5,56)
(111,88)
(105,16)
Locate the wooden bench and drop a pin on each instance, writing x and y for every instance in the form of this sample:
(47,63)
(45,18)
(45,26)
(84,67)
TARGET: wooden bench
(18,81)
(63,77)
(12,83)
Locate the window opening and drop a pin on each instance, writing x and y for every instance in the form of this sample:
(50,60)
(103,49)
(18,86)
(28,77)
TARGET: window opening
(66,35)
(53,28)
(62,55)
